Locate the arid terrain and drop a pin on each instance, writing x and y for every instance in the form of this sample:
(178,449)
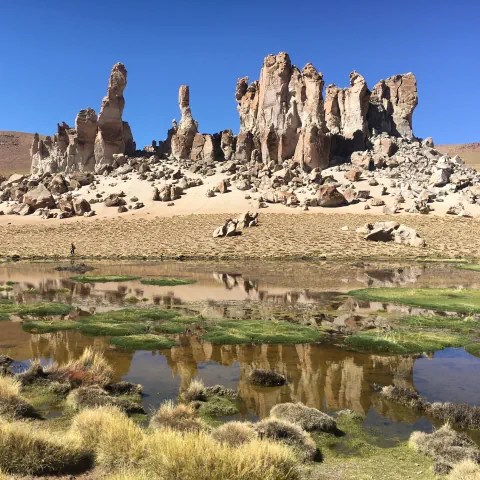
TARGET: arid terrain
(15,152)
(277,236)
(470,152)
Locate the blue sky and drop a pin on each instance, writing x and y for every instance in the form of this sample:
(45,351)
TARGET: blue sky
(57,55)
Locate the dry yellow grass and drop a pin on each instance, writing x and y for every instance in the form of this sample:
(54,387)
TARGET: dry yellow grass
(278,236)
(91,368)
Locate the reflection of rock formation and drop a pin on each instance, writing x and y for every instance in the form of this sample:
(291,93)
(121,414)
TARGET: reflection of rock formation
(391,277)
(319,376)
(60,347)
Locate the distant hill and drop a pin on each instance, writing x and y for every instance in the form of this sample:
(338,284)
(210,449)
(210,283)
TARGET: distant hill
(14,152)
(470,152)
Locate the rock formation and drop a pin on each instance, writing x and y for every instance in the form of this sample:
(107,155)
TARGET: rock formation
(94,141)
(110,137)
(283,111)
(346,115)
(392,104)
(182,140)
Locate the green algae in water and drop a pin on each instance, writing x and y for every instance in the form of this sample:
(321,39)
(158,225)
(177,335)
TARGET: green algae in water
(104,279)
(403,342)
(168,282)
(142,342)
(231,332)
(466,300)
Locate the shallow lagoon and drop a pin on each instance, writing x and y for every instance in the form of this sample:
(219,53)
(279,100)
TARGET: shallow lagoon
(321,375)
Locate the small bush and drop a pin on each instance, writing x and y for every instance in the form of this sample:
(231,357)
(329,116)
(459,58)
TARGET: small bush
(473,349)
(266,378)
(465,470)
(221,391)
(177,417)
(446,446)
(234,433)
(195,392)
(11,403)
(309,419)
(116,440)
(288,433)
(27,451)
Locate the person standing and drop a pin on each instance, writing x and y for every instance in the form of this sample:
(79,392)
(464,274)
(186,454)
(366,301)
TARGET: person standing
(72,249)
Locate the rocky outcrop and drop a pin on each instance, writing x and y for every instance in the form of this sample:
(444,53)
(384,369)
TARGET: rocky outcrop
(182,140)
(283,112)
(110,137)
(392,104)
(86,128)
(346,115)
(93,142)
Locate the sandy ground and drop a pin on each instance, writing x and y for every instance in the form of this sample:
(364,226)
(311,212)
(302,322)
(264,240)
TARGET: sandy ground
(194,201)
(185,229)
(277,236)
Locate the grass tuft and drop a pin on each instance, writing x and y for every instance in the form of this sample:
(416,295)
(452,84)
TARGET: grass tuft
(310,419)
(234,433)
(266,378)
(179,417)
(12,404)
(473,349)
(25,450)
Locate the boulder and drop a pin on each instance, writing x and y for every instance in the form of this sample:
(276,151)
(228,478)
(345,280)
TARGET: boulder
(440,178)
(81,206)
(329,196)
(39,197)
(20,209)
(58,185)
(353,175)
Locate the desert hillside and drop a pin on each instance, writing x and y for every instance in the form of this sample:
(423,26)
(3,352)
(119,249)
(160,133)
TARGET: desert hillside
(14,152)
(470,152)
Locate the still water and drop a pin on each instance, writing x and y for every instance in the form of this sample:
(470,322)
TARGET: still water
(323,375)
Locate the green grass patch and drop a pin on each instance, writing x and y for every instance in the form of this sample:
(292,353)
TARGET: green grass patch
(402,341)
(217,407)
(112,329)
(10,283)
(473,349)
(231,332)
(6,289)
(104,279)
(465,325)
(8,308)
(132,315)
(43,326)
(475,267)
(32,291)
(142,342)
(132,300)
(168,282)
(363,453)
(466,300)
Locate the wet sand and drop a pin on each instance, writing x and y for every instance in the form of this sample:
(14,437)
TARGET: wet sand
(278,236)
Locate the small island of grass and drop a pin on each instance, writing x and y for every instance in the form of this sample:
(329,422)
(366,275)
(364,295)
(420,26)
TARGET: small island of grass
(103,279)
(142,342)
(232,332)
(465,300)
(168,282)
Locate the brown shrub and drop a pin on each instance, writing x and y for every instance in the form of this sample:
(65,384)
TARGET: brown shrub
(179,417)
(266,378)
